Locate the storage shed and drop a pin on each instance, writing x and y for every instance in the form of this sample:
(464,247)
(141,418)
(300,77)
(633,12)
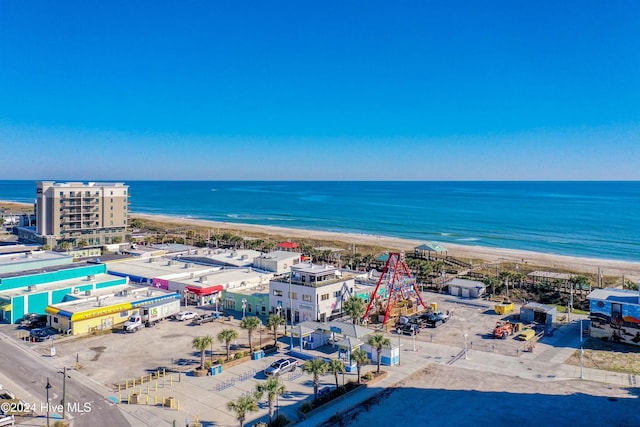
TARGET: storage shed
(466,288)
(539,313)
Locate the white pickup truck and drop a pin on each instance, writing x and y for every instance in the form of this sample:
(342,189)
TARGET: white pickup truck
(281,366)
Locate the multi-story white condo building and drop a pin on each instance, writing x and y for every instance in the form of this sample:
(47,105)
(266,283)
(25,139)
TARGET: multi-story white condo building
(81,214)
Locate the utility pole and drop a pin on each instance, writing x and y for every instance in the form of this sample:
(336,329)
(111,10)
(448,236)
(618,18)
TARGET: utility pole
(64,391)
(291,310)
(47,387)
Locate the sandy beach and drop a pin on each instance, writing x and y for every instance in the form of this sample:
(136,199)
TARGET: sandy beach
(631,270)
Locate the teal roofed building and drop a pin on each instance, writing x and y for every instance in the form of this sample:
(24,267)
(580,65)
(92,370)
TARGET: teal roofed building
(30,282)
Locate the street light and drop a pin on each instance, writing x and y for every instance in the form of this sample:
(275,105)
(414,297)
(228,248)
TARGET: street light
(47,387)
(64,390)
(466,357)
(244,306)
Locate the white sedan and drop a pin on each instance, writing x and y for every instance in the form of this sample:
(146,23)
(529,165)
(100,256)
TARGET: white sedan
(185,315)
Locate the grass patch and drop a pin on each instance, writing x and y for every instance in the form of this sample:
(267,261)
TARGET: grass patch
(563,309)
(608,356)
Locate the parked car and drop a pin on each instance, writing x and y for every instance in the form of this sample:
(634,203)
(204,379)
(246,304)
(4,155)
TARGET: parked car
(205,318)
(442,316)
(408,329)
(432,320)
(280,367)
(406,320)
(34,321)
(41,334)
(185,315)
(28,316)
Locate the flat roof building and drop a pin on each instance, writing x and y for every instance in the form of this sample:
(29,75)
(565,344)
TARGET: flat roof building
(317,292)
(277,261)
(104,310)
(49,280)
(224,257)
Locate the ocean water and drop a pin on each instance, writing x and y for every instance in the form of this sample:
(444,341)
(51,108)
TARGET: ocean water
(591,219)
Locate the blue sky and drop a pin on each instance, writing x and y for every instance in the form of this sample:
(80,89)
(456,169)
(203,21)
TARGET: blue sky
(295,90)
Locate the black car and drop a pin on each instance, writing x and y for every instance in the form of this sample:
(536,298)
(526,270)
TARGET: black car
(34,321)
(432,320)
(408,329)
(41,334)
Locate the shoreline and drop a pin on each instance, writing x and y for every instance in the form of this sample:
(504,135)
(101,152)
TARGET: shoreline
(631,270)
(608,267)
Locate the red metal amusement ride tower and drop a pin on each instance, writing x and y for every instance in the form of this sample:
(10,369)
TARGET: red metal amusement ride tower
(396,277)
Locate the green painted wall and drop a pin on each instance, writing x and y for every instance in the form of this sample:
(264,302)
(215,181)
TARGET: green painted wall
(255,301)
(38,302)
(115,282)
(58,295)
(17,308)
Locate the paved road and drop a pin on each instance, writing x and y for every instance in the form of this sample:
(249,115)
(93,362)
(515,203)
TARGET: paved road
(29,371)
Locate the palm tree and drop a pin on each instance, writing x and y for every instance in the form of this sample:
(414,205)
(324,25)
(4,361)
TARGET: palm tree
(368,259)
(360,357)
(378,341)
(355,308)
(273,388)
(200,344)
(273,322)
(315,367)
(250,323)
(336,366)
(241,406)
(226,336)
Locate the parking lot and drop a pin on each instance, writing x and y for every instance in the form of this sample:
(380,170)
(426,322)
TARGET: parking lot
(118,358)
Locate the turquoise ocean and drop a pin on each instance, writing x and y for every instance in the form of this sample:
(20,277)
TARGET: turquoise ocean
(588,219)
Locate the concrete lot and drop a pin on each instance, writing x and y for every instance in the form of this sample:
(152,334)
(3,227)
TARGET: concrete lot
(117,358)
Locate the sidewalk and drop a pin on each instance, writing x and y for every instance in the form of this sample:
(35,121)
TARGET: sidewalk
(544,364)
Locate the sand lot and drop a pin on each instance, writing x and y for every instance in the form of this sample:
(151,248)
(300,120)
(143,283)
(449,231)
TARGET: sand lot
(440,395)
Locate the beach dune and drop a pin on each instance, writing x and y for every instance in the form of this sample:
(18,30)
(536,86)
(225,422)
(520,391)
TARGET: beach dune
(631,270)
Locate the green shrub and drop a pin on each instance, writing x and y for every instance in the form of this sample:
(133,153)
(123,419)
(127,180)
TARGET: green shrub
(280,421)
(368,376)
(306,407)
(207,364)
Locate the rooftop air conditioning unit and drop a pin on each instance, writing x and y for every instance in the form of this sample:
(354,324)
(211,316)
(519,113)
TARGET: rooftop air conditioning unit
(31,288)
(203,279)
(87,293)
(76,291)
(90,277)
